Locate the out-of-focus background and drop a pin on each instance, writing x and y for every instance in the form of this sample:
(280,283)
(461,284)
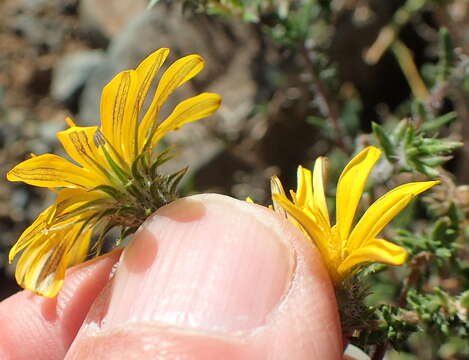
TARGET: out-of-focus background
(359,62)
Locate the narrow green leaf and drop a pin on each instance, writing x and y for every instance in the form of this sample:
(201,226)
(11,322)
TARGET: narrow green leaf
(159,196)
(160,160)
(436,124)
(434,161)
(384,141)
(426,170)
(446,61)
(418,111)
(121,174)
(400,131)
(440,146)
(175,179)
(409,136)
(134,169)
(111,191)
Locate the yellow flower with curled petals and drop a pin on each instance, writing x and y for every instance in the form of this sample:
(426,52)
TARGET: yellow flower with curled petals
(342,246)
(114,179)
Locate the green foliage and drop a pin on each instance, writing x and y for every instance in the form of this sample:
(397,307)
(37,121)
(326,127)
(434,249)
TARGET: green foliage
(439,312)
(440,241)
(446,62)
(415,305)
(390,324)
(412,149)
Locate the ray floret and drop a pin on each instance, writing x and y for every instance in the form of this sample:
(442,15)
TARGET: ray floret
(113,178)
(344,247)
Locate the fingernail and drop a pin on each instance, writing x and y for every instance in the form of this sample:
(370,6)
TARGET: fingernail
(207,262)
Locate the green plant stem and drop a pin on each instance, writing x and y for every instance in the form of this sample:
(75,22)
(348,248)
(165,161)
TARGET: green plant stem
(331,107)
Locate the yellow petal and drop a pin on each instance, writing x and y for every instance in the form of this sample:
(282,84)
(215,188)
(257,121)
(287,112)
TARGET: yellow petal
(79,144)
(69,200)
(177,74)
(350,188)
(50,170)
(34,231)
(42,265)
(382,211)
(277,188)
(293,196)
(319,196)
(79,251)
(192,109)
(76,195)
(54,217)
(146,72)
(316,234)
(117,100)
(304,191)
(376,250)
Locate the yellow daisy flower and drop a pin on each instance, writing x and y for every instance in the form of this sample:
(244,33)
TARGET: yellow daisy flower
(114,180)
(343,248)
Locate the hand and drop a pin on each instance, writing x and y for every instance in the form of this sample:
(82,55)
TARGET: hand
(206,277)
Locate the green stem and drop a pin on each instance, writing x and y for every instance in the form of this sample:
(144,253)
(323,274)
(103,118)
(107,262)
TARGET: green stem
(331,107)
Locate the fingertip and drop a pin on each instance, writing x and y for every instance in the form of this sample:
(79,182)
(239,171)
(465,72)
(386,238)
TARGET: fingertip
(220,268)
(43,328)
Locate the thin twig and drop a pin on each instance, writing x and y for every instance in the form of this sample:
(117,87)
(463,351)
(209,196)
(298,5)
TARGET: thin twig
(435,101)
(389,33)
(331,106)
(416,264)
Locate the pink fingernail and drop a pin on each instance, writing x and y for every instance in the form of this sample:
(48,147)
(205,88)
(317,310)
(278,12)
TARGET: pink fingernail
(207,262)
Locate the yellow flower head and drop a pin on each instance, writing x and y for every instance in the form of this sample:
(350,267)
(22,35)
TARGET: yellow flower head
(114,180)
(341,246)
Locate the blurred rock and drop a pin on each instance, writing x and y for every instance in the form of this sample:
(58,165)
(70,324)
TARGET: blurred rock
(30,28)
(103,19)
(40,23)
(229,50)
(34,5)
(70,75)
(47,131)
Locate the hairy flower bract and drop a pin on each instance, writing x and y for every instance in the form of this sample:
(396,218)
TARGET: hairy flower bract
(114,179)
(344,247)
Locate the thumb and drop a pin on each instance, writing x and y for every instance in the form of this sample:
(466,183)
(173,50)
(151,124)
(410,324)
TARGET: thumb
(210,277)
